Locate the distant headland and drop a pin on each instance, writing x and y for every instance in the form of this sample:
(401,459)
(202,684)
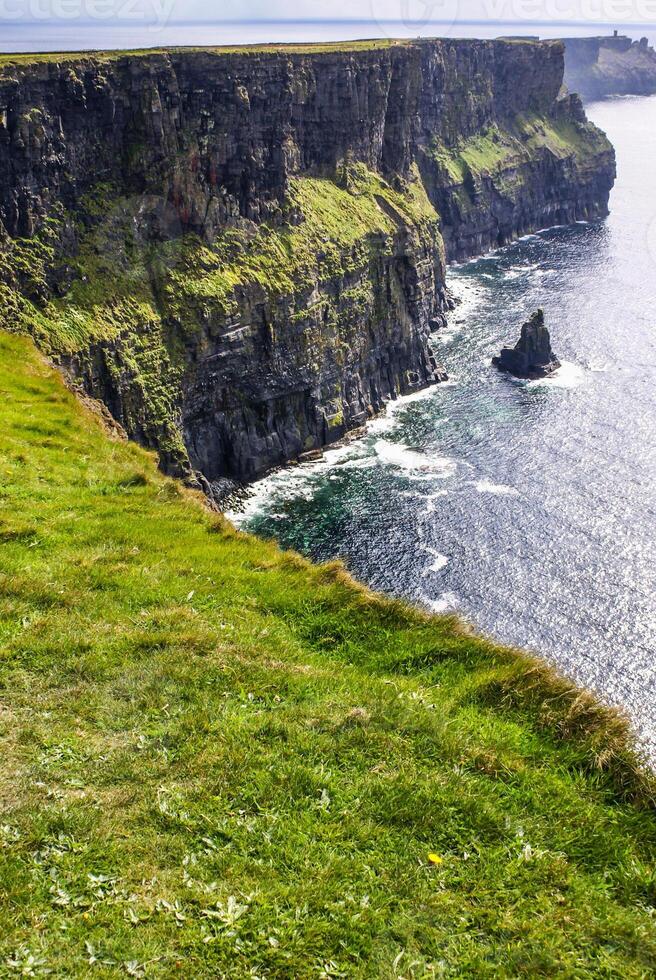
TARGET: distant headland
(597,67)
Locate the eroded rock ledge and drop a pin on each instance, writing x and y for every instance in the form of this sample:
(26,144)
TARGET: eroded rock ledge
(242,253)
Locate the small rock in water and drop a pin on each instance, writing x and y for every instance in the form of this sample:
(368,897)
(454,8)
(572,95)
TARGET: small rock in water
(532,356)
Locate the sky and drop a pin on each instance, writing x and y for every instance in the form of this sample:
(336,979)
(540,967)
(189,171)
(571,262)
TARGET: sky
(449,11)
(47,25)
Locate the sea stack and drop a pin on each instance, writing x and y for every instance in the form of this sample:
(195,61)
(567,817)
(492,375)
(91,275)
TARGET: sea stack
(532,356)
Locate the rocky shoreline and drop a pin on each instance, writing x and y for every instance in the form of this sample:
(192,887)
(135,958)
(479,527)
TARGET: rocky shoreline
(243,254)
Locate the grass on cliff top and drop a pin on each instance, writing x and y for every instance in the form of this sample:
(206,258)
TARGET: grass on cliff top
(319,47)
(219,760)
(54,57)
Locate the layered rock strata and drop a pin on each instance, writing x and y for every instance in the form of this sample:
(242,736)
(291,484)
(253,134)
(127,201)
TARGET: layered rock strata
(243,252)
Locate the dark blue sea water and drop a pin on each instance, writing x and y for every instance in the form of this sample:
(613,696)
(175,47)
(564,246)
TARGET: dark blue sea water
(528,507)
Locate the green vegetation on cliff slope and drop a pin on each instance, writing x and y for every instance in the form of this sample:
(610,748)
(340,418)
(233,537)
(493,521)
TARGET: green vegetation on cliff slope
(494,150)
(219,760)
(117,281)
(152,302)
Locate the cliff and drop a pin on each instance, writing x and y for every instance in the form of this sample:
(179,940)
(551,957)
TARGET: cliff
(243,252)
(596,67)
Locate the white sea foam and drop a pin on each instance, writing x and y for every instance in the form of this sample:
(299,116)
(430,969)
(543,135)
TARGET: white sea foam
(294,482)
(419,465)
(439,561)
(568,375)
(387,419)
(445,602)
(396,454)
(431,498)
(515,272)
(469,293)
(499,489)
(290,482)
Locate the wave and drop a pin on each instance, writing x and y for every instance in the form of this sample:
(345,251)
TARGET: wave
(568,375)
(386,420)
(431,498)
(296,480)
(412,462)
(445,602)
(439,562)
(499,489)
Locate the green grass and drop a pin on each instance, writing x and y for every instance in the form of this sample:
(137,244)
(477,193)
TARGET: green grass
(219,760)
(321,47)
(373,44)
(497,150)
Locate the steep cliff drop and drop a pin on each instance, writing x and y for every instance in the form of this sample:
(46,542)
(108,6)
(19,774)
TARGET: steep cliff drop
(596,67)
(242,253)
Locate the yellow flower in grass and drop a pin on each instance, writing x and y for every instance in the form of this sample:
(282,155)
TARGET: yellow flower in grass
(435,858)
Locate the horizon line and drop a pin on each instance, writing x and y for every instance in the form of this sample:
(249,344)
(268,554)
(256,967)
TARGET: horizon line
(269,21)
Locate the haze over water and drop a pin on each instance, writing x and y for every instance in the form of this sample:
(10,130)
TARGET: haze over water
(157,23)
(530,508)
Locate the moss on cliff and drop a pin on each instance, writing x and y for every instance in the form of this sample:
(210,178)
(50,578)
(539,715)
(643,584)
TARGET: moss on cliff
(338,232)
(220,760)
(146,306)
(118,282)
(527,135)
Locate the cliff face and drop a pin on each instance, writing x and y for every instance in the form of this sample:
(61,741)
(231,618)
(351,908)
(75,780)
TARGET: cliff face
(242,252)
(597,67)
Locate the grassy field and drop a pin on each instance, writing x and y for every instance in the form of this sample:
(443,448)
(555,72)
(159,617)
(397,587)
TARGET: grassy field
(373,44)
(219,760)
(313,48)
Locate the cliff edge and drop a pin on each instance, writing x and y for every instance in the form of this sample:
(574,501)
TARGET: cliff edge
(242,252)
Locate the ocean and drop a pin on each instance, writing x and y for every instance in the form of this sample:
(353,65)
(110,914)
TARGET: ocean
(528,508)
